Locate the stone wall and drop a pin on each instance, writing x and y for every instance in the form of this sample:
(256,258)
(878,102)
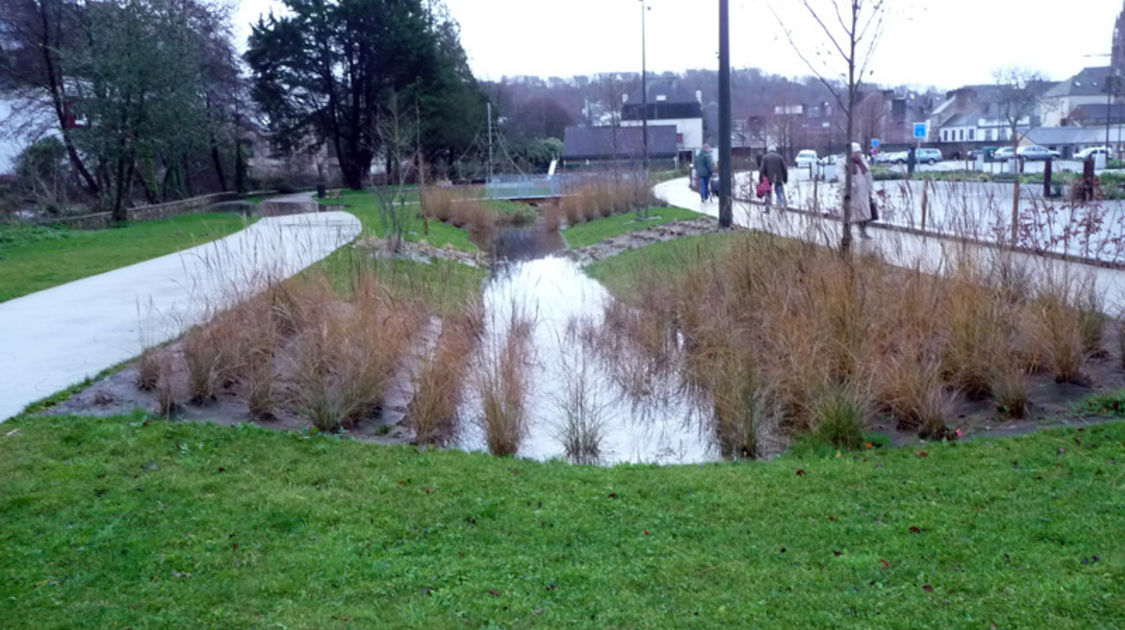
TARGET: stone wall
(167,210)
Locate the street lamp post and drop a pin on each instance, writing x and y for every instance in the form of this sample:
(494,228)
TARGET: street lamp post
(644,86)
(726,214)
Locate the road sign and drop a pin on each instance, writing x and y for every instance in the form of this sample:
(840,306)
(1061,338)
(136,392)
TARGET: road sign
(921,130)
(874,143)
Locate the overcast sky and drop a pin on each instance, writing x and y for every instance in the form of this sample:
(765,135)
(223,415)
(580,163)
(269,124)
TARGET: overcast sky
(946,43)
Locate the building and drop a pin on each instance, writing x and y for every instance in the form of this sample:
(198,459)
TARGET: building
(668,106)
(1088,87)
(589,146)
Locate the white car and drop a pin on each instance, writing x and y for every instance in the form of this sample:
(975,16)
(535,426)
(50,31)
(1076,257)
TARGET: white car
(805,158)
(1090,152)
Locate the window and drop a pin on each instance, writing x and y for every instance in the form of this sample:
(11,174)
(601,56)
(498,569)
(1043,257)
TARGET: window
(988,135)
(961,133)
(972,134)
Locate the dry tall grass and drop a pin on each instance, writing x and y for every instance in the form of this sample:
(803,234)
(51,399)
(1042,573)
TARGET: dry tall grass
(773,331)
(440,380)
(605,197)
(298,346)
(502,382)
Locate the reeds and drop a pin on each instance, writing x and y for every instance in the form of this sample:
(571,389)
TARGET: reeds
(502,382)
(789,334)
(440,380)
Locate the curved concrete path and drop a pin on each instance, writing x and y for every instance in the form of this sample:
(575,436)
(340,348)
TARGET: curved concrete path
(55,338)
(901,249)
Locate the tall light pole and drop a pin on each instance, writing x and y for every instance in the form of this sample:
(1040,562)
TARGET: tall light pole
(726,214)
(644,86)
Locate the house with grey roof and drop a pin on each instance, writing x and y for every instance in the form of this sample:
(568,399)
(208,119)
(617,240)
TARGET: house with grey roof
(619,145)
(1088,87)
(668,105)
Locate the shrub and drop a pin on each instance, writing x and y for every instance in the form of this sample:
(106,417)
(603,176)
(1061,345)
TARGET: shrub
(839,416)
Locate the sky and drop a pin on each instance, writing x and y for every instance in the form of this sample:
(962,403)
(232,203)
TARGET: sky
(942,43)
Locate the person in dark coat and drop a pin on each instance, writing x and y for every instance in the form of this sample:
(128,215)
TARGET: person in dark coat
(774,168)
(704,168)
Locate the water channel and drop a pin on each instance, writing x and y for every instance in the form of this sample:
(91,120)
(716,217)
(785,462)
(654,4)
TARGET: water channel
(559,299)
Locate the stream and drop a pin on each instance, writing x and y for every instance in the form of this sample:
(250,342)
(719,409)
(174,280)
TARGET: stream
(559,298)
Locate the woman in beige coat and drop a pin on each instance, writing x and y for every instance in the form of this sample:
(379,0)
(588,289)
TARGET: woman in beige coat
(862,186)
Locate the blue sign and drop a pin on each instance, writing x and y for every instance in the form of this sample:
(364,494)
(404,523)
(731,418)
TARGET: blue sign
(874,143)
(921,130)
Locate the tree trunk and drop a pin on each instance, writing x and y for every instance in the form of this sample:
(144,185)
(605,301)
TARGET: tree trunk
(54,85)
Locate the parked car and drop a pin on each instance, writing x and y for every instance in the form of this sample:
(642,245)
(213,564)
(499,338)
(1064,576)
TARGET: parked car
(805,158)
(830,159)
(891,157)
(1003,154)
(1090,152)
(1035,152)
(928,156)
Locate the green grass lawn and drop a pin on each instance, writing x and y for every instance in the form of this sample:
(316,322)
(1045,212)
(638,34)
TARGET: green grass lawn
(37,258)
(145,523)
(444,285)
(365,205)
(622,273)
(590,232)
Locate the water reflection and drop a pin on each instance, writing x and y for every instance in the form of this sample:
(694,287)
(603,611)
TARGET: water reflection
(558,297)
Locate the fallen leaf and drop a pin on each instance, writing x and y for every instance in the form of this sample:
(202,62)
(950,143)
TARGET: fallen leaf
(646,532)
(801,472)
(551,587)
(886,565)
(928,588)
(921,454)
(493,592)
(613,495)
(837,553)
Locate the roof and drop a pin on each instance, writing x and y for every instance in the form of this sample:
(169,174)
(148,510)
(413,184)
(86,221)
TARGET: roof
(1089,82)
(962,120)
(662,111)
(1053,136)
(1097,112)
(666,90)
(584,143)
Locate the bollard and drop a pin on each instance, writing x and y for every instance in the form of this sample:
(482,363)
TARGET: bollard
(1047,167)
(925,201)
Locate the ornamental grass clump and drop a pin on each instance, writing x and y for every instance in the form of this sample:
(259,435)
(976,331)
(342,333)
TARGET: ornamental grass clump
(502,380)
(440,380)
(769,332)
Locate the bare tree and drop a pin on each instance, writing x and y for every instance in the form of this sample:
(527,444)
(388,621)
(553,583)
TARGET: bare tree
(1018,96)
(851,29)
(397,129)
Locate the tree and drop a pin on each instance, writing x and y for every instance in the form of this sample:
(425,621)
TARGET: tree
(34,35)
(851,29)
(322,73)
(1018,96)
(135,87)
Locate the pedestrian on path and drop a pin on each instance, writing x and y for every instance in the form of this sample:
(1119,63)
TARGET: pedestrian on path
(704,168)
(859,198)
(774,169)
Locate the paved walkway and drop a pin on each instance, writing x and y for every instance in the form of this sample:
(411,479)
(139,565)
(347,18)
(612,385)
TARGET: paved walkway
(931,254)
(55,338)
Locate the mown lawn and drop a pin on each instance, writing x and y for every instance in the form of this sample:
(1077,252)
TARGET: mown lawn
(444,285)
(659,262)
(145,523)
(37,258)
(590,232)
(365,205)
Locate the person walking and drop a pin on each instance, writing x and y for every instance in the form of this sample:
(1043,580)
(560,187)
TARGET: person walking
(774,169)
(704,168)
(859,198)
